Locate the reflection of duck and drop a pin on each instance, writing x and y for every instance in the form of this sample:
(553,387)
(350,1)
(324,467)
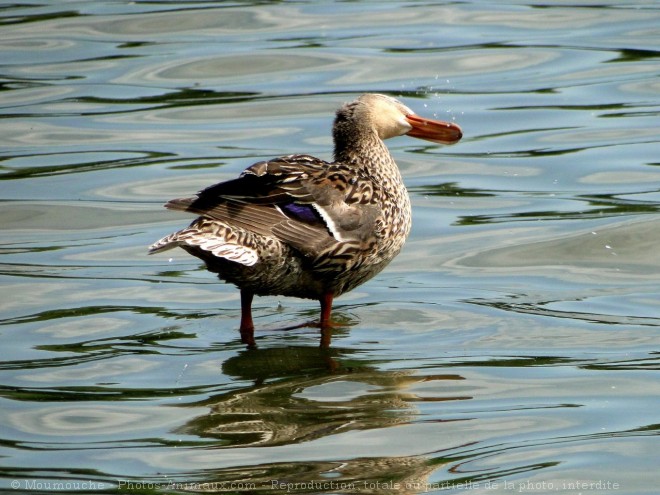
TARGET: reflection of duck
(293,400)
(391,475)
(299,226)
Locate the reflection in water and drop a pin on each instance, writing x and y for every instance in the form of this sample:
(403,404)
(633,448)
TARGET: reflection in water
(312,402)
(386,475)
(307,394)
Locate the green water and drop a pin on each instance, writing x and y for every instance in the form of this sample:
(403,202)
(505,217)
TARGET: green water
(512,346)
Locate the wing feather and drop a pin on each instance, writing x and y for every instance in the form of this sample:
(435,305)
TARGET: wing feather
(307,203)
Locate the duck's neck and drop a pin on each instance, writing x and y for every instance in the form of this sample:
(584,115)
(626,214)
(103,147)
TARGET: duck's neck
(368,153)
(364,149)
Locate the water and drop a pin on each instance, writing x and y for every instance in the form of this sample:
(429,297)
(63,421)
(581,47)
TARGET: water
(513,345)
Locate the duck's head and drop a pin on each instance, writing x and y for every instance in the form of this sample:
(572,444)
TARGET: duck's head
(389,118)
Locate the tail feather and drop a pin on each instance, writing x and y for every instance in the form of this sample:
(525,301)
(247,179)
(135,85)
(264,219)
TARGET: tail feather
(216,245)
(164,244)
(180,204)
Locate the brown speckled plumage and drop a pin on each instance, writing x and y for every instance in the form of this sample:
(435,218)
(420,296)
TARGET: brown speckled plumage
(303,227)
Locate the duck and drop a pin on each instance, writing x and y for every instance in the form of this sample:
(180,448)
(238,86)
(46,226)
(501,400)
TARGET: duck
(303,227)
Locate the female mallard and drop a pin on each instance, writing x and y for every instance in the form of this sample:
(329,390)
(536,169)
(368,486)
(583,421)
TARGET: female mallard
(303,227)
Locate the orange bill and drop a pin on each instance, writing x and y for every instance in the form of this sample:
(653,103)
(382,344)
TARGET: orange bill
(433,130)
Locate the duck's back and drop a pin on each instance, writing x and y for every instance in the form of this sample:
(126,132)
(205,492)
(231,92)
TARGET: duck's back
(297,226)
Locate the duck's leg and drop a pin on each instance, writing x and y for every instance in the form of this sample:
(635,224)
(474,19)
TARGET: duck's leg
(326,328)
(247,328)
(247,325)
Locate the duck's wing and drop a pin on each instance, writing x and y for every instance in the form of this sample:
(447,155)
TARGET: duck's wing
(305,202)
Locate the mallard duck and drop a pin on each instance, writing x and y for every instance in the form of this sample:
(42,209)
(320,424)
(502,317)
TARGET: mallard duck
(304,227)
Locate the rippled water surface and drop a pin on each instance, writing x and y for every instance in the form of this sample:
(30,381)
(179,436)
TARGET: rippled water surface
(512,346)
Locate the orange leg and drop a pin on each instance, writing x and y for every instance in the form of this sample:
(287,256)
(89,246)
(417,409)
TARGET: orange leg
(326,328)
(247,325)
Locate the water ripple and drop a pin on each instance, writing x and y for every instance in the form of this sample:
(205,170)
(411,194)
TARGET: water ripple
(511,346)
